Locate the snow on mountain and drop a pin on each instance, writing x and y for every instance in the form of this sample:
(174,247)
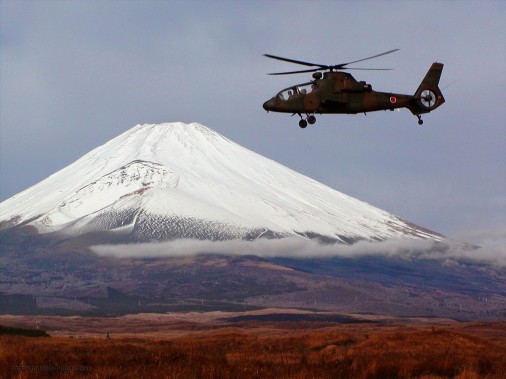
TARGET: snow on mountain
(178,180)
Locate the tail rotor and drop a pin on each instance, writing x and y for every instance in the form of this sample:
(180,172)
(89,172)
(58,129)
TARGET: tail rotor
(428,96)
(428,99)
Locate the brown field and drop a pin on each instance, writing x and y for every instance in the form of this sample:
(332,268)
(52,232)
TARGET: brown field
(202,346)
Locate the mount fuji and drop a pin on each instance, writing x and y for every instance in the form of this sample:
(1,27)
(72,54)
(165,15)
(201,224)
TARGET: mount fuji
(83,241)
(175,180)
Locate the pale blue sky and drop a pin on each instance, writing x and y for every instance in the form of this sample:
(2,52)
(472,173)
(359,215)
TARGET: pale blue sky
(74,74)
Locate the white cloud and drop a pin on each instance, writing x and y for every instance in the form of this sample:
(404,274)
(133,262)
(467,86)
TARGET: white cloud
(295,247)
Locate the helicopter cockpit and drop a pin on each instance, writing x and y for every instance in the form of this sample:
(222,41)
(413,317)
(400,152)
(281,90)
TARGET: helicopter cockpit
(300,89)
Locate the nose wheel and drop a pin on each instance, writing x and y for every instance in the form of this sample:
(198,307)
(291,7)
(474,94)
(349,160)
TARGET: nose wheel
(311,119)
(420,121)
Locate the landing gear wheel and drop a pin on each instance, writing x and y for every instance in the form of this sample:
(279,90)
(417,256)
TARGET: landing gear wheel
(420,121)
(311,119)
(302,123)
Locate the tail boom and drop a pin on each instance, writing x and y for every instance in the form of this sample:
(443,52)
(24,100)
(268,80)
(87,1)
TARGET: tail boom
(428,96)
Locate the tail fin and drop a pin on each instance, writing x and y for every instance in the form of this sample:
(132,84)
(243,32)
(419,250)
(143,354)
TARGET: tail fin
(428,96)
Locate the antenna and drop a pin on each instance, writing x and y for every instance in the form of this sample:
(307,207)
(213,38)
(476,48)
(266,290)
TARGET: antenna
(448,85)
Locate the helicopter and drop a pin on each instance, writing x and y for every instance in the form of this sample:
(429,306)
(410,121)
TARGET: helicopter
(337,92)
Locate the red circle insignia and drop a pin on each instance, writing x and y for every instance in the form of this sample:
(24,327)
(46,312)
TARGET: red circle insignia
(393,99)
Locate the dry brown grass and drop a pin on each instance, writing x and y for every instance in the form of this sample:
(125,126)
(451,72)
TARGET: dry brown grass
(335,352)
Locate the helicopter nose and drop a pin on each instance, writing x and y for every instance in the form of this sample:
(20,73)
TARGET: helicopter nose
(269,105)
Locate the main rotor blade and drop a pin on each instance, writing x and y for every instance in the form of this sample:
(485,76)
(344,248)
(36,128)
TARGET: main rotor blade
(296,72)
(368,69)
(322,67)
(364,59)
(296,61)
(319,69)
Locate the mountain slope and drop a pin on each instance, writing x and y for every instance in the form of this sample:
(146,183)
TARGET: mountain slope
(176,180)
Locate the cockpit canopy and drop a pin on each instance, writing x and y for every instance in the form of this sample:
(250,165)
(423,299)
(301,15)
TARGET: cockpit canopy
(300,89)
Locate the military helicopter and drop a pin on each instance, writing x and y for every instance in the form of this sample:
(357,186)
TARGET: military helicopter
(338,92)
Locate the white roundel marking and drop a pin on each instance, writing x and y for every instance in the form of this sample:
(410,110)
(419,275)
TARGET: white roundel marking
(428,98)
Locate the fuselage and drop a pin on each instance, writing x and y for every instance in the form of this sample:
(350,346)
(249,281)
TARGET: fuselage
(336,92)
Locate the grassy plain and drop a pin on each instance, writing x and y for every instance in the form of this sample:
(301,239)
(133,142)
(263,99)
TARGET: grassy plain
(208,346)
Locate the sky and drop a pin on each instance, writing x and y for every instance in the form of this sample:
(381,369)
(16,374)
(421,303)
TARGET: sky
(75,74)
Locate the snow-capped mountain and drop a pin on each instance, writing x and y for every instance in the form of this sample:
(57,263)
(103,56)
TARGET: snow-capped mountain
(178,180)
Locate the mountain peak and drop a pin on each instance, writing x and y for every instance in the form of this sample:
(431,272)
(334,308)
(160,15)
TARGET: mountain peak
(176,180)
(146,141)
(175,131)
